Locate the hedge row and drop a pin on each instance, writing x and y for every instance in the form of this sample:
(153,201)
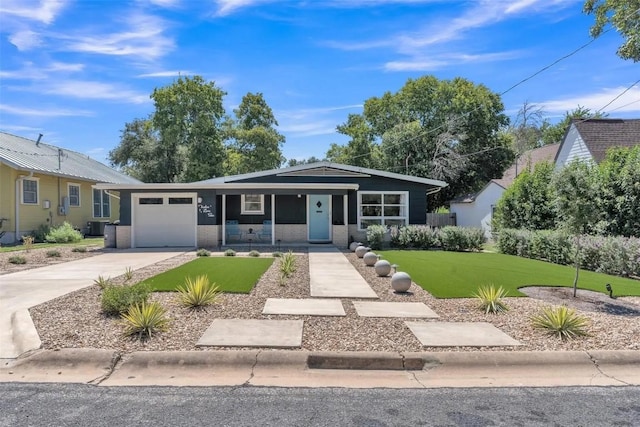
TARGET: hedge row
(425,237)
(605,254)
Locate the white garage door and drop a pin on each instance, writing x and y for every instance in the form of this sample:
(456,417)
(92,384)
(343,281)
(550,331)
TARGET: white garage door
(164,219)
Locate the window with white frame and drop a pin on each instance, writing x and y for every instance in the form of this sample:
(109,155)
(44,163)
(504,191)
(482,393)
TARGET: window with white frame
(382,208)
(252,204)
(30,191)
(74,194)
(101,204)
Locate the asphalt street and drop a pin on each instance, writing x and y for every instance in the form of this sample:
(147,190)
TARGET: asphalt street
(84,405)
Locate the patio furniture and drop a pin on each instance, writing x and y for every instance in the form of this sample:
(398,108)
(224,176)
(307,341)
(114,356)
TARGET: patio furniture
(232,229)
(265,231)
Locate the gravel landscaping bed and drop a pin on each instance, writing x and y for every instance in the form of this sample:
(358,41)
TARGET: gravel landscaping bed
(39,258)
(76,320)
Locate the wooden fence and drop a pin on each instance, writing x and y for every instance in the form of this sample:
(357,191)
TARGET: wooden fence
(441,219)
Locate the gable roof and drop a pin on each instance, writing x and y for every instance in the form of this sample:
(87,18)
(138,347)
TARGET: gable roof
(601,134)
(27,155)
(527,161)
(326,169)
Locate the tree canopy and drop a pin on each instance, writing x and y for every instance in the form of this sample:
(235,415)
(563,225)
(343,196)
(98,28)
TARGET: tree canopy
(624,16)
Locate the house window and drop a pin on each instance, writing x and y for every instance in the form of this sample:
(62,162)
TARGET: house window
(29,191)
(101,204)
(252,204)
(74,194)
(382,208)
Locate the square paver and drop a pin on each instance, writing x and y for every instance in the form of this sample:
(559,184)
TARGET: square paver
(393,309)
(305,306)
(459,334)
(253,333)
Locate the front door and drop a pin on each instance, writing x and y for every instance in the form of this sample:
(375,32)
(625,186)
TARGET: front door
(319,217)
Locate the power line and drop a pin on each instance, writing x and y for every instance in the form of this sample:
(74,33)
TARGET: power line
(622,93)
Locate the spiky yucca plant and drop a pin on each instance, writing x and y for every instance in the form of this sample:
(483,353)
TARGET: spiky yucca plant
(128,275)
(490,299)
(102,282)
(145,319)
(561,321)
(198,292)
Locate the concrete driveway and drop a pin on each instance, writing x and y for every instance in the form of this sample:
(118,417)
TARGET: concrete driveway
(25,289)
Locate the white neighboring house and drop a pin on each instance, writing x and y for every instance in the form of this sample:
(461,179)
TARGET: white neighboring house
(476,210)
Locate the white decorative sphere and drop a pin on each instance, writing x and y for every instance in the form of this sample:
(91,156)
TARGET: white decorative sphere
(400,282)
(361,250)
(383,268)
(354,245)
(370,258)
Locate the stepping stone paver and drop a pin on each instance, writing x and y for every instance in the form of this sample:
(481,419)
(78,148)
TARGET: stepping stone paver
(459,334)
(393,309)
(253,333)
(306,306)
(332,276)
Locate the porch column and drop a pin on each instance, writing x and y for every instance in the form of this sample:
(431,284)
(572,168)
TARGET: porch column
(273,219)
(345,207)
(224,220)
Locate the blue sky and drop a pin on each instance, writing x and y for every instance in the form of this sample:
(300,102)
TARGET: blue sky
(77,71)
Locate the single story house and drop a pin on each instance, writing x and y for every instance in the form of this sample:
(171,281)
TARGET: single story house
(476,210)
(318,202)
(590,139)
(41,184)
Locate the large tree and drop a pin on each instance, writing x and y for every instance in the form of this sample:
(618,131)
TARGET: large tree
(620,193)
(137,154)
(255,139)
(624,16)
(553,133)
(361,150)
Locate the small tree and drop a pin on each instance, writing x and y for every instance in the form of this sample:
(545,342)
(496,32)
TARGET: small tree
(577,188)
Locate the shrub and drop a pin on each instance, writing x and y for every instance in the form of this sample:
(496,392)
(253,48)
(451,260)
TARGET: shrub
(276,254)
(102,282)
(475,238)
(254,254)
(424,237)
(17,259)
(145,319)
(40,233)
(80,249)
(118,299)
(128,275)
(490,299)
(27,242)
(375,236)
(287,266)
(54,253)
(561,321)
(63,234)
(229,252)
(203,252)
(453,238)
(198,292)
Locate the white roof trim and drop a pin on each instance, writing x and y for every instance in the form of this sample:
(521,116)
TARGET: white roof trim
(227,186)
(356,169)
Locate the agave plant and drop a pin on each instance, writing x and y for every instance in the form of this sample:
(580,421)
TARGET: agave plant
(490,299)
(198,292)
(102,282)
(145,319)
(561,321)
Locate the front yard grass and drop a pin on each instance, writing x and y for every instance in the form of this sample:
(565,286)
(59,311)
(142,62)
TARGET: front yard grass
(459,274)
(235,275)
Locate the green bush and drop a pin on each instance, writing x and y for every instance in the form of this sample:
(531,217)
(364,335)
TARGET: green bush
(198,292)
(254,254)
(203,252)
(229,252)
(63,234)
(453,238)
(276,254)
(54,253)
(17,259)
(40,233)
(560,321)
(145,319)
(375,236)
(118,299)
(80,249)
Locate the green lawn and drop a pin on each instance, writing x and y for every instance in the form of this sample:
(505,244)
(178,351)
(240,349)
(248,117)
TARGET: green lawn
(231,274)
(89,241)
(458,274)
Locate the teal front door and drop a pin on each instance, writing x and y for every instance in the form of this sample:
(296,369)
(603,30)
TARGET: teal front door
(319,217)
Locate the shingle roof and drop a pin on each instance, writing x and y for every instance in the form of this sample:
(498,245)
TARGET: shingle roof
(24,154)
(601,134)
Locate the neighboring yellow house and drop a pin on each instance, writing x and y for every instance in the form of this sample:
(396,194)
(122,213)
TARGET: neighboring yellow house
(43,184)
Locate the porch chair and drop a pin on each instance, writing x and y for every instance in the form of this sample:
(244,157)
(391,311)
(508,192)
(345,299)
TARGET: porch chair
(265,231)
(232,229)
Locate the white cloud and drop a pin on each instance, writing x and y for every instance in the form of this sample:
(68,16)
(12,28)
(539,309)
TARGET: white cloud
(227,7)
(627,103)
(94,90)
(44,11)
(436,62)
(18,128)
(165,3)
(30,71)
(174,73)
(25,40)
(312,121)
(142,37)
(50,112)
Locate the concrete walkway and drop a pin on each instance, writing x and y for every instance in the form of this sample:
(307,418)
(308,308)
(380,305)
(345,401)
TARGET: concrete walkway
(332,276)
(25,289)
